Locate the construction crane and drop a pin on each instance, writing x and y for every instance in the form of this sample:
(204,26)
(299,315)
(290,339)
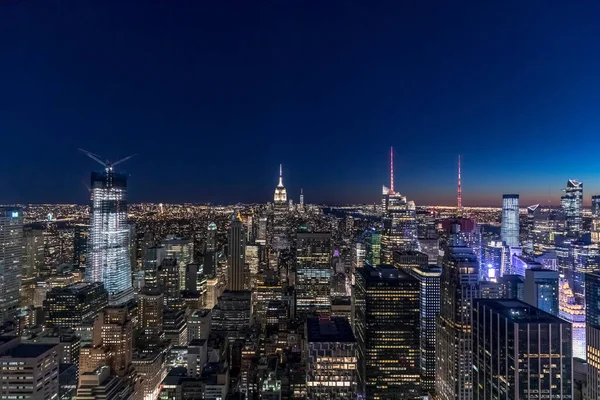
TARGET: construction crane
(108,165)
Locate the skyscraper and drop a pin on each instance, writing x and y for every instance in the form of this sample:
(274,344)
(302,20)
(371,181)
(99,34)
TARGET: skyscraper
(592,311)
(72,305)
(313,272)
(386,320)
(520,352)
(459,286)
(280,210)
(572,204)
(108,247)
(532,213)
(429,279)
(509,232)
(11,257)
(331,359)
(399,220)
(541,289)
(237,274)
(210,252)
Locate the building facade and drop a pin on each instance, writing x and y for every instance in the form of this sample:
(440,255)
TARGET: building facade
(386,320)
(109,260)
(520,352)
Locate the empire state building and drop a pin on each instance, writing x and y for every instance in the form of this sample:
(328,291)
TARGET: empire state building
(280,208)
(280,197)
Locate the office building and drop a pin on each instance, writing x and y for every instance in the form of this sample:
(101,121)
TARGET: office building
(541,289)
(520,352)
(233,312)
(592,314)
(81,236)
(386,320)
(11,258)
(29,371)
(199,324)
(399,225)
(509,232)
(533,213)
(429,309)
(151,367)
(101,385)
(572,204)
(331,359)
(72,305)
(238,278)
(406,260)
(151,301)
(459,287)
(313,272)
(182,250)
(33,263)
(108,247)
(169,277)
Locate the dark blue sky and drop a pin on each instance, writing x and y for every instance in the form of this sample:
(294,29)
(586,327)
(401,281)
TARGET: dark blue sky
(213,95)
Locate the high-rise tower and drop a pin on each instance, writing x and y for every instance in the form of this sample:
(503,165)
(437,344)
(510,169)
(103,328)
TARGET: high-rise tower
(572,203)
(237,276)
(509,231)
(108,248)
(459,192)
(11,254)
(399,220)
(280,210)
(459,287)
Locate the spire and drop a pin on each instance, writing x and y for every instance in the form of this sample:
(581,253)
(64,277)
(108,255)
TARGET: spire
(391,170)
(459,194)
(280,176)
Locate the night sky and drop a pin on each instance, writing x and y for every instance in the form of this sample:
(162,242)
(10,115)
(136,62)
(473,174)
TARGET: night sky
(213,95)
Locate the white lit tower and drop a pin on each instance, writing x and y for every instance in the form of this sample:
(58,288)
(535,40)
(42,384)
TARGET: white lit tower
(280,209)
(108,247)
(399,220)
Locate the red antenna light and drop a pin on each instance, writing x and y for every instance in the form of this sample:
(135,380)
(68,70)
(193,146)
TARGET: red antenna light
(391,170)
(459,194)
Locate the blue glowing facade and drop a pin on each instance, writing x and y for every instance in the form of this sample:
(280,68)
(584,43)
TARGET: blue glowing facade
(108,258)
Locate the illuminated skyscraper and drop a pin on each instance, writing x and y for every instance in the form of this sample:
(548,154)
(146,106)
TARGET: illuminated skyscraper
(596,218)
(11,258)
(572,204)
(280,210)
(108,248)
(330,358)
(509,232)
(541,289)
(182,250)
(532,214)
(520,352)
(592,308)
(454,345)
(386,320)
(313,272)
(429,309)
(238,278)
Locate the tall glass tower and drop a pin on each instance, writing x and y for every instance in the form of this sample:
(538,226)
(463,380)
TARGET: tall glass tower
(509,231)
(108,248)
(572,203)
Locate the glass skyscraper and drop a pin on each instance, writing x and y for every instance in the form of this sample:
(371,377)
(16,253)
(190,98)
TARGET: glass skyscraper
(386,320)
(454,345)
(11,258)
(108,248)
(541,289)
(592,311)
(572,203)
(520,352)
(509,232)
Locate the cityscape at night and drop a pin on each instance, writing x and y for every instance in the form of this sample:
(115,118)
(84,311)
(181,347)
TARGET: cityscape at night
(285,200)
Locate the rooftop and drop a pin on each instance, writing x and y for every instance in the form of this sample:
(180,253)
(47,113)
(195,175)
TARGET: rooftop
(329,329)
(385,274)
(519,312)
(28,350)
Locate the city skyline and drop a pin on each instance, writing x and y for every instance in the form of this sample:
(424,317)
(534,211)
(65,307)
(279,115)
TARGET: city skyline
(214,97)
